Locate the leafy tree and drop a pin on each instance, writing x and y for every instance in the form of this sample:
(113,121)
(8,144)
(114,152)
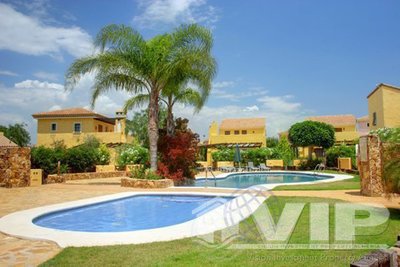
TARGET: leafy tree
(138,125)
(312,133)
(272,142)
(285,151)
(17,133)
(128,62)
(178,152)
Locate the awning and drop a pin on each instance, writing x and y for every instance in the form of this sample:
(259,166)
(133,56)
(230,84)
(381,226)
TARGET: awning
(232,145)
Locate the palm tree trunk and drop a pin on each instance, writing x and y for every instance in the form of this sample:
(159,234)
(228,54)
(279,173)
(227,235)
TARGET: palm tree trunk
(170,121)
(153,128)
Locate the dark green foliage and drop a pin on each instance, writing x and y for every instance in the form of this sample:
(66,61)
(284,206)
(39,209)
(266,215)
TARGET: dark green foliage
(137,127)
(143,173)
(312,133)
(47,159)
(17,133)
(335,152)
(272,142)
(309,164)
(81,158)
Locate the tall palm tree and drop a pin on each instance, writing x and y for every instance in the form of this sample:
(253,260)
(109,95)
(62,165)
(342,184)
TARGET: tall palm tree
(126,61)
(170,96)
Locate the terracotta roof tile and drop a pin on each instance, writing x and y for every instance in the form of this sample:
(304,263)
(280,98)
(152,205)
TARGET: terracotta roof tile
(363,119)
(244,123)
(69,112)
(335,120)
(5,142)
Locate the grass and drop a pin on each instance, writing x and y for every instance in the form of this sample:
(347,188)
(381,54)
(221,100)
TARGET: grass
(188,252)
(348,184)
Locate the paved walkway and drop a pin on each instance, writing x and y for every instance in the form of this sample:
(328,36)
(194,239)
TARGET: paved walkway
(22,252)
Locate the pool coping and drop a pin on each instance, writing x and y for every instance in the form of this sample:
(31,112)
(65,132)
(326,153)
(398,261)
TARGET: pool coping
(20,224)
(335,178)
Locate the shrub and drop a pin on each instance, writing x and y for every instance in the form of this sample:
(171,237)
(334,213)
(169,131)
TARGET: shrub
(178,153)
(82,159)
(257,155)
(143,173)
(132,154)
(223,154)
(310,164)
(333,153)
(104,156)
(391,135)
(47,159)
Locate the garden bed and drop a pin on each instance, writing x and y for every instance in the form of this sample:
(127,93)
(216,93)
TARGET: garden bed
(145,183)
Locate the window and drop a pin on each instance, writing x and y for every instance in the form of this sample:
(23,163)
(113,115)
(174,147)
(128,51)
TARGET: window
(100,128)
(244,131)
(106,129)
(236,132)
(77,127)
(367,124)
(374,118)
(227,132)
(53,127)
(338,130)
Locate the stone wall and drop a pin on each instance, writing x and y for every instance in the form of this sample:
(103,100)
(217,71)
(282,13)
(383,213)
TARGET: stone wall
(15,166)
(51,179)
(370,165)
(143,183)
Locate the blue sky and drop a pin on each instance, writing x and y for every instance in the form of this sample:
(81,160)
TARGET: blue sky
(283,60)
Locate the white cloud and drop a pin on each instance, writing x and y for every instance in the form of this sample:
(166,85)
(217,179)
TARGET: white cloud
(46,75)
(8,73)
(173,12)
(29,35)
(280,103)
(223,84)
(251,108)
(219,92)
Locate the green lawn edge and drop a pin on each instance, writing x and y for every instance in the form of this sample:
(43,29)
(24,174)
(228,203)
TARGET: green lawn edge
(189,252)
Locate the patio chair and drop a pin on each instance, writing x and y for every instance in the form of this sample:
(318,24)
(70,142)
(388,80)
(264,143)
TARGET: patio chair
(264,168)
(250,166)
(227,169)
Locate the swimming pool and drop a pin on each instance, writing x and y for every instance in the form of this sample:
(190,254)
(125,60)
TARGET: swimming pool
(244,180)
(132,217)
(129,214)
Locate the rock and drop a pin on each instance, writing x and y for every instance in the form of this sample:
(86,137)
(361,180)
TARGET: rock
(143,183)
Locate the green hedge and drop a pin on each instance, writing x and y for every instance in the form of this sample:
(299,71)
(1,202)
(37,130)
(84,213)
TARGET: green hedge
(333,153)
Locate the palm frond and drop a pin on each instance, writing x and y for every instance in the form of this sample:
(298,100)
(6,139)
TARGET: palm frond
(136,101)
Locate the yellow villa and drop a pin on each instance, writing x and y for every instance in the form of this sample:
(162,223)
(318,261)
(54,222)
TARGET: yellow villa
(246,132)
(73,125)
(384,107)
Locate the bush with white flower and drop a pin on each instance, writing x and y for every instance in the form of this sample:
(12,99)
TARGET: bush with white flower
(132,154)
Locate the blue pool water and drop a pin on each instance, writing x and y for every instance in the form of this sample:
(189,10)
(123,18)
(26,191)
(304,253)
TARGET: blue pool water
(129,214)
(250,179)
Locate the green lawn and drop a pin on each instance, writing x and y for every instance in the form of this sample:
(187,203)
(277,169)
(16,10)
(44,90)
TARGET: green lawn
(348,184)
(188,252)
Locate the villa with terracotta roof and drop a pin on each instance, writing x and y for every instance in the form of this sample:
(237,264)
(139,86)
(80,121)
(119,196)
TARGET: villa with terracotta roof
(73,125)
(246,132)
